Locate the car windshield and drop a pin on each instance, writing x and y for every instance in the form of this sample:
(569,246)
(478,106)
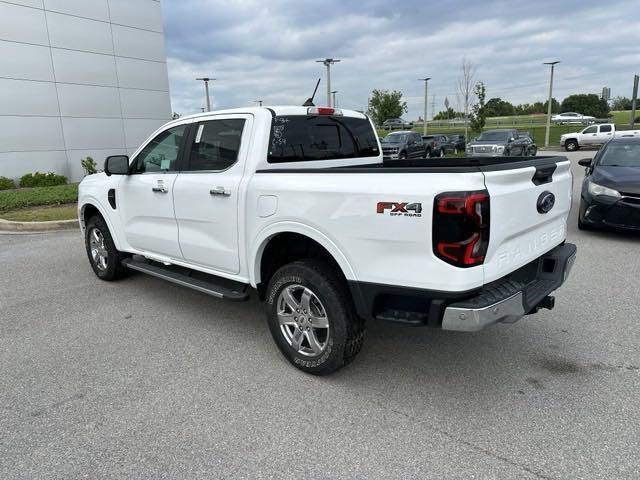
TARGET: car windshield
(621,155)
(494,136)
(395,138)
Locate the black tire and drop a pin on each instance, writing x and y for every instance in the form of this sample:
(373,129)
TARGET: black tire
(441,152)
(114,268)
(427,153)
(571,146)
(345,335)
(402,156)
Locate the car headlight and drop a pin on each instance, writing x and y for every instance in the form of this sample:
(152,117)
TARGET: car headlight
(599,190)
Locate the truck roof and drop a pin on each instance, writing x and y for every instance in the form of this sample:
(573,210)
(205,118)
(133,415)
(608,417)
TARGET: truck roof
(277,109)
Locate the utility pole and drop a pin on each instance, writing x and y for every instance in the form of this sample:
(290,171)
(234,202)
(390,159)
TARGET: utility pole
(327,63)
(259,102)
(333,97)
(546,133)
(426,99)
(632,122)
(206,81)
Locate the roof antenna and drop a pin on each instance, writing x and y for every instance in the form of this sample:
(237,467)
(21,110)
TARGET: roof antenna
(309,102)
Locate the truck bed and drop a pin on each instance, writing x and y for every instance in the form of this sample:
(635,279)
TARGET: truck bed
(432,165)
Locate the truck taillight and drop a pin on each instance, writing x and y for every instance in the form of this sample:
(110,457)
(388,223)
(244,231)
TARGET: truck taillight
(461,227)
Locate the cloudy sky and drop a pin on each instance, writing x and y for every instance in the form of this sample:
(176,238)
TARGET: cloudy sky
(265,49)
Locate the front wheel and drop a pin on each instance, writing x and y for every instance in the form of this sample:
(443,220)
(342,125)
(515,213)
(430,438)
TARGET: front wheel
(104,258)
(402,156)
(571,145)
(442,153)
(311,317)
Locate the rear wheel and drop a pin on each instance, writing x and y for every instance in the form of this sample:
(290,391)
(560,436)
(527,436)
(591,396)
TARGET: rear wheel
(441,152)
(427,153)
(104,258)
(311,317)
(571,145)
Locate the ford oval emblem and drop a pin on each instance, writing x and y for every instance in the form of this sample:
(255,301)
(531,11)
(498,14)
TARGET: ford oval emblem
(546,201)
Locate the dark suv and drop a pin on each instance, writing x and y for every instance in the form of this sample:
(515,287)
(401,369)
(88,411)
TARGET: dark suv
(498,143)
(401,145)
(455,144)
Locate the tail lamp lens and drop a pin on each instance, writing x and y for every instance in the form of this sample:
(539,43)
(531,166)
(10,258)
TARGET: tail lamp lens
(461,227)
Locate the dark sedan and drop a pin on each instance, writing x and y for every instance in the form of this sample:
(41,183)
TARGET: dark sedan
(611,187)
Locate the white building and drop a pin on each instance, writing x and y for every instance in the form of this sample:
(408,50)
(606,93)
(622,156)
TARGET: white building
(78,78)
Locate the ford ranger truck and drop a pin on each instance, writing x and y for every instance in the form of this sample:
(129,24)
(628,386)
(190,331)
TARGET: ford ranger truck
(295,206)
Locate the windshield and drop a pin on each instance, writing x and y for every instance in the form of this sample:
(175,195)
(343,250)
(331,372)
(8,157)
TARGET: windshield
(621,155)
(494,136)
(395,138)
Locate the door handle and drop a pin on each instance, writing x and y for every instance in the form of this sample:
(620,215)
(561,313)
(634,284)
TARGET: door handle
(159,189)
(220,191)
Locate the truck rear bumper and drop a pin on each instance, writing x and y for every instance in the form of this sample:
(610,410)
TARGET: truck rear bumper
(509,299)
(506,300)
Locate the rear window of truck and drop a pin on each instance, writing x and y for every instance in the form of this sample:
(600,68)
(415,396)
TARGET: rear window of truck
(298,138)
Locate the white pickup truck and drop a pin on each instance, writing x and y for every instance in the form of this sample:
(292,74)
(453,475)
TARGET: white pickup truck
(593,136)
(297,205)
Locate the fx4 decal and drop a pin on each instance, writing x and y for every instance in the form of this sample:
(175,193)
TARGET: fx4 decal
(404,209)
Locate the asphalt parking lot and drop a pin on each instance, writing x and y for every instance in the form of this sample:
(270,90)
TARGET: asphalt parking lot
(144,379)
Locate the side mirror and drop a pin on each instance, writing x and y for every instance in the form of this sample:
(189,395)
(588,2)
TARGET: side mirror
(512,139)
(116,165)
(585,162)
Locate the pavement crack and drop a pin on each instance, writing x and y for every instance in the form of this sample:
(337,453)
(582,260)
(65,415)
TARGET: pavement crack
(485,451)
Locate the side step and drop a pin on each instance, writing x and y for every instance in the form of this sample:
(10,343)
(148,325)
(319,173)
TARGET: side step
(214,286)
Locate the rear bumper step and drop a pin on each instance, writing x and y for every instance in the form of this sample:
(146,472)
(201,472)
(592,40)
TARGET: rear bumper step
(510,299)
(214,286)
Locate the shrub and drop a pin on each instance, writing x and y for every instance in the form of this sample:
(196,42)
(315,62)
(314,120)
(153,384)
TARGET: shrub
(42,180)
(89,166)
(6,183)
(32,197)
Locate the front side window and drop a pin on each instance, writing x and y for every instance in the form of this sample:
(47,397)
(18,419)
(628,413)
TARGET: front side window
(216,144)
(300,138)
(161,153)
(590,130)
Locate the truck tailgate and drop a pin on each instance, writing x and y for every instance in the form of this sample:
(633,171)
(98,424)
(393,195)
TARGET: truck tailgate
(522,227)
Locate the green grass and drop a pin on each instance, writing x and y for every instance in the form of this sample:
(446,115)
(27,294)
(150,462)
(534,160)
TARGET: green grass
(43,213)
(31,197)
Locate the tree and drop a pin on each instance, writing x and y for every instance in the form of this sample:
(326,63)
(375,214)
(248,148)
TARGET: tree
(621,103)
(465,89)
(586,104)
(479,109)
(496,107)
(447,114)
(384,105)
(555,106)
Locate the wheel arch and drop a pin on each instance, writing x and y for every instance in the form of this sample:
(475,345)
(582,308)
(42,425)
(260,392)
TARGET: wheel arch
(281,244)
(89,208)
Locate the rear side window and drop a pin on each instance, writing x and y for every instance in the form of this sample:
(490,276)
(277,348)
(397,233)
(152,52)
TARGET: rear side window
(605,128)
(297,138)
(216,144)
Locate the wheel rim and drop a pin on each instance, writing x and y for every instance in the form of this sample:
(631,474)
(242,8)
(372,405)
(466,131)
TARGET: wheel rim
(571,146)
(303,320)
(99,253)
(441,153)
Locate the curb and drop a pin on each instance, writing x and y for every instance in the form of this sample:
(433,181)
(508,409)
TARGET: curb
(39,227)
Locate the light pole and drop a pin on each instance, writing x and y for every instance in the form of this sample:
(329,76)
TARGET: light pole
(426,95)
(259,102)
(546,133)
(327,63)
(333,97)
(206,81)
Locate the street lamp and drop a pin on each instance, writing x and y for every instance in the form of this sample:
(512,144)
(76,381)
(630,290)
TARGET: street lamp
(327,62)
(259,102)
(333,97)
(546,133)
(426,95)
(206,81)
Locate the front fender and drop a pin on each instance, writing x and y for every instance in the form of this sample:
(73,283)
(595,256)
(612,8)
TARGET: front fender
(94,202)
(262,239)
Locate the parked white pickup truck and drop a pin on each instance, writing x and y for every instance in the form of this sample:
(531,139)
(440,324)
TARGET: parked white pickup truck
(296,204)
(593,136)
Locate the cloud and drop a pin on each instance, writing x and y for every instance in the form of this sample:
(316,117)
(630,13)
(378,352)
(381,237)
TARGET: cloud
(267,50)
